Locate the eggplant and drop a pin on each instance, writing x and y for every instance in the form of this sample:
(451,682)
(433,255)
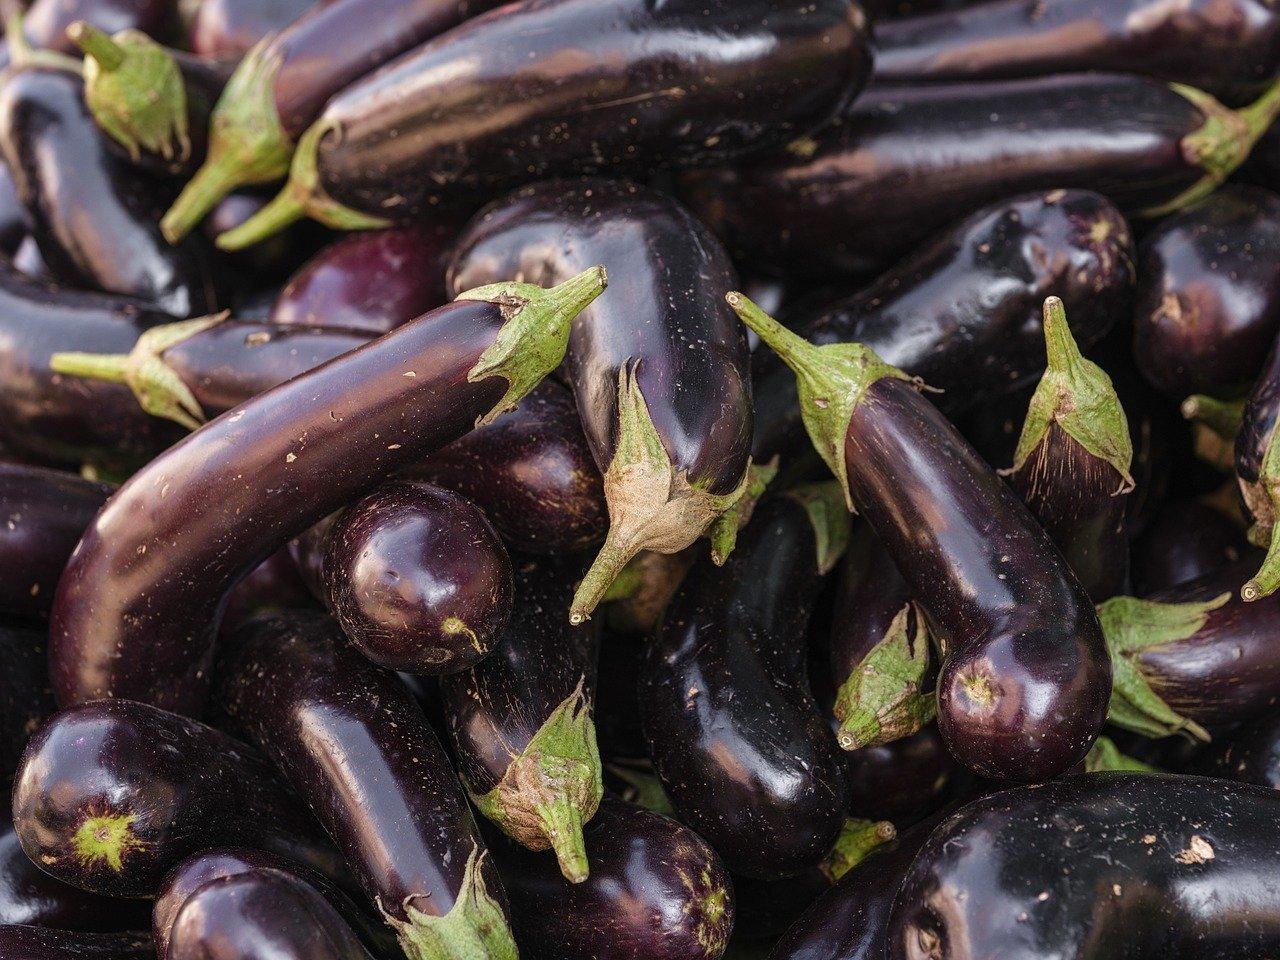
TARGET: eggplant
(735,735)
(229,29)
(1023,689)
(1135,865)
(94,228)
(18,942)
(42,516)
(964,310)
(350,737)
(111,795)
(521,722)
(283,83)
(418,579)
(1257,463)
(46,21)
(1187,540)
(15,222)
(25,697)
(559,87)
(138,623)
(660,370)
(906,161)
(656,892)
(1248,754)
(904,781)
(272,585)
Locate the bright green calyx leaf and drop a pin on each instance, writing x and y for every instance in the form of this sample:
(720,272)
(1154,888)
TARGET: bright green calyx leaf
(1262,497)
(882,701)
(552,787)
(106,839)
(1077,395)
(723,532)
(831,380)
(832,525)
(1223,417)
(857,839)
(1132,626)
(474,929)
(644,787)
(1105,756)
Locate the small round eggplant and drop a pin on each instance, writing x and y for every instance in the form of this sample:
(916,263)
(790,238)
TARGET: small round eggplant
(1248,754)
(229,29)
(1186,541)
(418,579)
(656,892)
(521,722)
(25,697)
(19,942)
(111,795)
(1023,689)
(742,749)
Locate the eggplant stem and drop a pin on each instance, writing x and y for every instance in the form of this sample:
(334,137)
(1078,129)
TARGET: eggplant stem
(96,44)
(1104,755)
(562,824)
(282,212)
(832,525)
(1267,579)
(881,700)
(1223,417)
(858,838)
(107,367)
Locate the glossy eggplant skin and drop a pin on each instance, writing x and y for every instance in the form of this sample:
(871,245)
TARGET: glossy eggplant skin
(18,942)
(96,227)
(907,161)
(228,29)
(1186,541)
(25,697)
(724,690)
(1208,304)
(46,21)
(523,96)
(274,584)
(1248,754)
(964,311)
(1151,865)
(904,781)
(657,891)
(111,795)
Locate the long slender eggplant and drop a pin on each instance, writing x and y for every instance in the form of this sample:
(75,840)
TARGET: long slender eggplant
(555,87)
(907,161)
(229,29)
(964,310)
(1186,541)
(1248,754)
(93,227)
(1023,691)
(521,722)
(1110,864)
(43,514)
(657,891)
(283,83)
(352,740)
(25,697)
(418,579)
(743,751)
(1257,462)
(18,942)
(110,796)
(659,368)
(135,619)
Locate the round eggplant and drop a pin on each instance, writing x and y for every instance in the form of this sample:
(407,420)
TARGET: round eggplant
(1186,541)
(18,942)
(25,697)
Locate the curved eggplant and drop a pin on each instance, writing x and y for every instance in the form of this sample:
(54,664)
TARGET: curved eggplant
(1248,754)
(229,29)
(19,942)
(109,796)
(742,749)
(553,87)
(25,697)
(418,579)
(907,161)
(1023,690)
(1186,541)
(521,722)
(660,369)
(129,621)
(350,737)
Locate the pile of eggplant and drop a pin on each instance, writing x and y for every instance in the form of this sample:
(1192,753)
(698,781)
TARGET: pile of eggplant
(631,480)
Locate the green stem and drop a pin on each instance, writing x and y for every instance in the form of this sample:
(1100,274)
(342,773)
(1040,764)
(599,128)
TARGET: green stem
(212,182)
(858,838)
(1261,114)
(108,367)
(562,825)
(281,213)
(1223,417)
(1104,755)
(1267,579)
(97,44)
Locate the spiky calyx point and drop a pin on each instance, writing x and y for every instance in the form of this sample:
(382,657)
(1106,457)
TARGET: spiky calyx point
(105,840)
(1223,417)
(856,841)
(723,532)
(474,929)
(832,525)
(1262,497)
(1105,756)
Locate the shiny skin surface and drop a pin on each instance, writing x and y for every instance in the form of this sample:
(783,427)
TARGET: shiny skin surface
(418,579)
(1208,304)
(46,21)
(37,943)
(903,781)
(664,314)
(745,755)
(137,608)
(25,697)
(1024,690)
(656,892)
(906,162)
(228,29)
(95,216)
(1186,541)
(1248,754)
(1098,865)
(965,311)
(353,742)
(547,87)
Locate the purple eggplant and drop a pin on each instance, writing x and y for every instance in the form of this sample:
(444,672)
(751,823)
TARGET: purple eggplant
(904,781)
(25,697)
(18,942)
(229,29)
(15,222)
(1186,541)
(1247,754)
(272,585)
(46,21)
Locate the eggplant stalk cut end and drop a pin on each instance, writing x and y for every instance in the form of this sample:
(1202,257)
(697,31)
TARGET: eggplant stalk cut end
(474,929)
(1262,497)
(105,839)
(1223,417)
(1105,756)
(856,841)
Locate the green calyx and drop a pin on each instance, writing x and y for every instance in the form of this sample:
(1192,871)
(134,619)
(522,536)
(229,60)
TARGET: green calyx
(1263,499)
(882,701)
(723,532)
(832,524)
(643,786)
(158,389)
(1132,626)
(1105,756)
(1077,395)
(474,929)
(135,91)
(831,381)
(107,839)
(1223,417)
(535,336)
(857,839)
(553,787)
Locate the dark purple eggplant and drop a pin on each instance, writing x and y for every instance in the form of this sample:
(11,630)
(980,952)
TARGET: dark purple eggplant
(656,892)
(229,29)
(1023,689)
(95,227)
(418,579)
(352,740)
(132,621)
(521,722)
(1186,541)
(1099,865)
(906,161)
(660,369)
(742,749)
(1257,463)
(904,781)
(25,697)
(272,585)
(556,87)
(15,222)
(111,795)
(1248,754)
(964,311)
(19,942)
(46,21)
